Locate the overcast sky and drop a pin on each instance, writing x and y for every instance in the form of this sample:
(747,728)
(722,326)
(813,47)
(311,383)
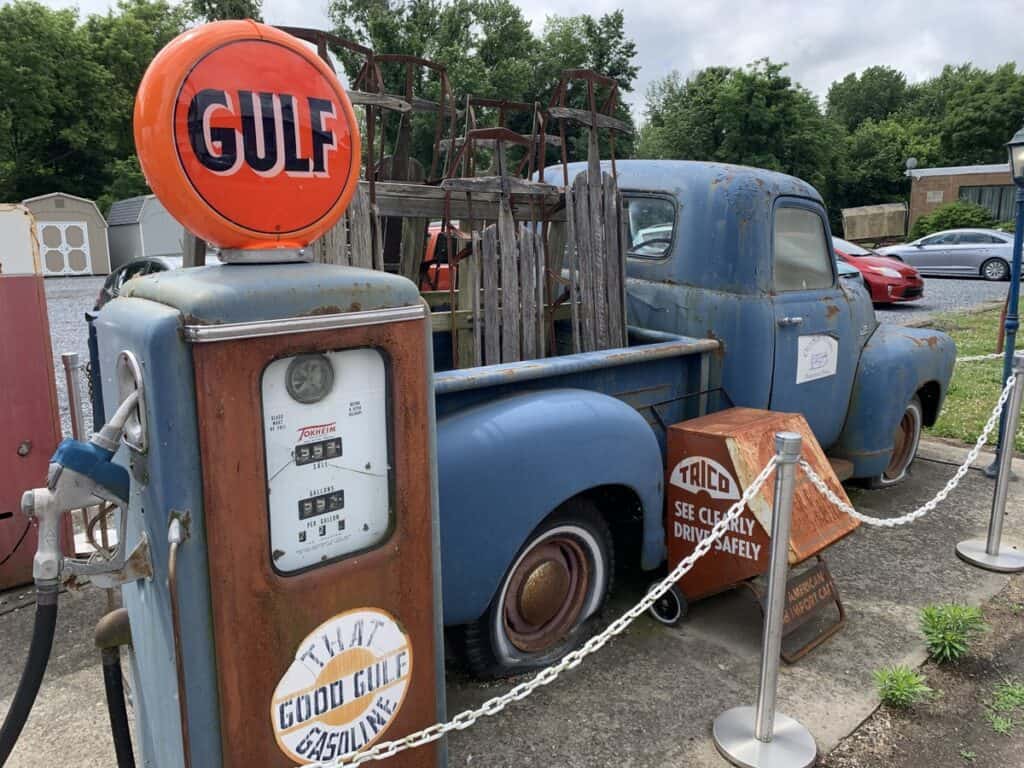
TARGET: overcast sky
(823,40)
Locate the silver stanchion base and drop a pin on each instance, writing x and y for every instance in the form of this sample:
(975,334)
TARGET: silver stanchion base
(792,746)
(1009,559)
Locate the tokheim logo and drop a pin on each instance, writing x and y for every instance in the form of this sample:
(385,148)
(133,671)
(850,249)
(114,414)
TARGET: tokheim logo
(317,430)
(344,688)
(699,473)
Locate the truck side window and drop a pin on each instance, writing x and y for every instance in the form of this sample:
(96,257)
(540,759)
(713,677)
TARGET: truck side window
(802,257)
(652,224)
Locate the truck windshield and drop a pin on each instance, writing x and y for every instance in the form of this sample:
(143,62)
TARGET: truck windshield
(652,224)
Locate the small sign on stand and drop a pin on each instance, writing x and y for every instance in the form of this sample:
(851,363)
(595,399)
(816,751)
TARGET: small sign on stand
(711,460)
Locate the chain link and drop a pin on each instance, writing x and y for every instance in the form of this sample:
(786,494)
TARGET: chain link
(924,509)
(571,660)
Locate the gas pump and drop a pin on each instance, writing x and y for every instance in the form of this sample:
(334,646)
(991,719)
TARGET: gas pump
(276,424)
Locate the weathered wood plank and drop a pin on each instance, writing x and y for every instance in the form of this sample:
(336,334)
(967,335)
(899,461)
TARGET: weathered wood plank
(478,349)
(539,291)
(528,284)
(492,319)
(401,199)
(383,100)
(584,247)
(360,236)
(600,260)
(464,300)
(572,254)
(511,317)
(378,242)
(414,238)
(613,264)
(583,117)
(498,184)
(549,140)
(442,321)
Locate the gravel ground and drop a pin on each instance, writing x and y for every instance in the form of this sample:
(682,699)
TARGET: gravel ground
(943,294)
(69,297)
(67,300)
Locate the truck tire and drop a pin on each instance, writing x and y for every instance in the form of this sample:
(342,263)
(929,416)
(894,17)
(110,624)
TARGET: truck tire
(905,442)
(559,579)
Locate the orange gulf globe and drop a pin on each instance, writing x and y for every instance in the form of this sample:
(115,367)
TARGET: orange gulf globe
(247,136)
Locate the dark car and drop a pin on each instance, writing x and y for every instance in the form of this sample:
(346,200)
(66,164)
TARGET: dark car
(136,268)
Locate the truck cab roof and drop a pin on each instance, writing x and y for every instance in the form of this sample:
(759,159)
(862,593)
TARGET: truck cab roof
(722,215)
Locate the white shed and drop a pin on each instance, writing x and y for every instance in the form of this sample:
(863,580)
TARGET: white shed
(141,227)
(72,234)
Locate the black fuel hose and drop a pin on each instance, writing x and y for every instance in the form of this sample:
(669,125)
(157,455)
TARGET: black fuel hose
(114,686)
(35,668)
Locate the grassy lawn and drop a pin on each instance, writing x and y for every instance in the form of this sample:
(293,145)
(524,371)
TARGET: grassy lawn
(975,386)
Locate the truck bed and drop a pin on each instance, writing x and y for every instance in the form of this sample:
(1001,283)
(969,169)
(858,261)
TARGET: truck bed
(665,377)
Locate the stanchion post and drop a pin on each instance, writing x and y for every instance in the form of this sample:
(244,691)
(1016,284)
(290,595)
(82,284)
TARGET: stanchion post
(992,553)
(73,379)
(760,737)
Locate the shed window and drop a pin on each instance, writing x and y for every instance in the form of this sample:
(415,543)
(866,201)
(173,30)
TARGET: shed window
(652,225)
(58,202)
(803,260)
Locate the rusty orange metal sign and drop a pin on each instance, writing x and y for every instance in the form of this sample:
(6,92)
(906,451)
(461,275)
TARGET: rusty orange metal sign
(246,136)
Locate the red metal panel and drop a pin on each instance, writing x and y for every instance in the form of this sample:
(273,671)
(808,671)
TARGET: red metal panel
(29,415)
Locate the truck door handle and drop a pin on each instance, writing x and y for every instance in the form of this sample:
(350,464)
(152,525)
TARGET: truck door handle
(785,321)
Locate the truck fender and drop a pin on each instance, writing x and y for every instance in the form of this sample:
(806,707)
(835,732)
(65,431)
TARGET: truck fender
(505,465)
(896,363)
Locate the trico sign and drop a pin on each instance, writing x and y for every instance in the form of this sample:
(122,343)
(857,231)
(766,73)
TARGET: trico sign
(700,473)
(246,136)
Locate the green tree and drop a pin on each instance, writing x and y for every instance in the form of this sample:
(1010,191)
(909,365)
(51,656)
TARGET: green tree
(58,133)
(752,116)
(877,93)
(219,10)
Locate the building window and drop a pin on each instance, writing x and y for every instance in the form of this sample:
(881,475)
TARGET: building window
(997,199)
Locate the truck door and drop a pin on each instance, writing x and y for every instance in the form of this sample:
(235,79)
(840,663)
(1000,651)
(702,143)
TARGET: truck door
(816,346)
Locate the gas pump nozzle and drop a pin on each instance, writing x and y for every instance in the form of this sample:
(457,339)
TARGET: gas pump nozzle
(83,475)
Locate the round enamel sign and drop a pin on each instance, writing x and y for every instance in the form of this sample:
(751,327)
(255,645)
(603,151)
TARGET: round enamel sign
(344,688)
(246,136)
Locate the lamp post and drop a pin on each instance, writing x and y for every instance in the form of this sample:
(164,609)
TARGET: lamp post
(1015,146)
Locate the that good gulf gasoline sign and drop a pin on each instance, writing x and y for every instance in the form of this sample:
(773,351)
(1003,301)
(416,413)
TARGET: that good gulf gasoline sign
(344,688)
(246,136)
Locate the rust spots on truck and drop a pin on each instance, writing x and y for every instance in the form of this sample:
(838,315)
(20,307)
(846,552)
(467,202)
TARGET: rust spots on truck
(831,310)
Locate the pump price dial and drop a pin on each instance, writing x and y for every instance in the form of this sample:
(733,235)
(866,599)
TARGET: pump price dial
(326,439)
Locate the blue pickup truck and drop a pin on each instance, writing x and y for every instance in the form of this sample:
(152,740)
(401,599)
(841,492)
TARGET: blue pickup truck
(551,471)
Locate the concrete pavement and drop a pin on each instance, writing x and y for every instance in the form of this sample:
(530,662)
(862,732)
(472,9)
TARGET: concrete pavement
(649,697)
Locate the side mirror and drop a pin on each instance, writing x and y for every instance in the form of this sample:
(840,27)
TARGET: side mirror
(919,245)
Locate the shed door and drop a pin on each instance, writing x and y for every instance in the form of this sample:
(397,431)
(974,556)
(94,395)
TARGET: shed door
(64,247)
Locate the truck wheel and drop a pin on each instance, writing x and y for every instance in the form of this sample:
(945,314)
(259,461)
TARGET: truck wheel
(671,607)
(559,579)
(905,442)
(995,270)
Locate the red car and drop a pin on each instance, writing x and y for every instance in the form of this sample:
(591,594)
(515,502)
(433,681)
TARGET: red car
(887,279)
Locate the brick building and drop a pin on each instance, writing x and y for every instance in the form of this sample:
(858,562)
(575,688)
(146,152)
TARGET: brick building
(988,185)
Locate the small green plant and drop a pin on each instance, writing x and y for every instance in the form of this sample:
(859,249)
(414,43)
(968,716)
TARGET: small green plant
(901,687)
(949,629)
(968,755)
(1001,724)
(1008,697)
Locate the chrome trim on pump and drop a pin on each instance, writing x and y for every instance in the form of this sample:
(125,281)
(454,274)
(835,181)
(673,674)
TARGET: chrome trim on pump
(206,333)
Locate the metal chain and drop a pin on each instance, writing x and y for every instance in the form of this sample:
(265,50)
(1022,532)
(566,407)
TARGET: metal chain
(571,660)
(924,509)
